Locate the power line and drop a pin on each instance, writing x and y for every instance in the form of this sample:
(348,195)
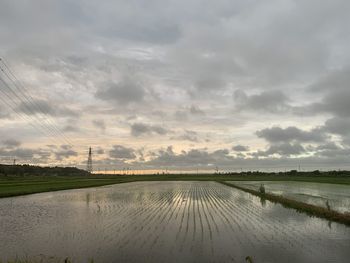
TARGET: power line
(31,101)
(26,117)
(29,98)
(23,116)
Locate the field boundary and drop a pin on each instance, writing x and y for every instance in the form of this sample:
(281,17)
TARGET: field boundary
(11,186)
(311,210)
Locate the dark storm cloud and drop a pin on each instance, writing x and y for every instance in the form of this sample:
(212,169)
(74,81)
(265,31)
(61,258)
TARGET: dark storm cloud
(138,129)
(277,135)
(121,152)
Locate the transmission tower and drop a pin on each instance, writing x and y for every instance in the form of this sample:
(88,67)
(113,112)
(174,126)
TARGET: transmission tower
(89,162)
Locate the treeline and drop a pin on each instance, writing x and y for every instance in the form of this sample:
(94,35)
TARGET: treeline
(27,170)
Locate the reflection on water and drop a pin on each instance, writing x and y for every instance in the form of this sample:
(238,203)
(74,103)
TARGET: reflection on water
(263,201)
(165,222)
(331,196)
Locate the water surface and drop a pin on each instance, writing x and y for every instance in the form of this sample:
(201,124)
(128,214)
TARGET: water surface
(165,222)
(337,195)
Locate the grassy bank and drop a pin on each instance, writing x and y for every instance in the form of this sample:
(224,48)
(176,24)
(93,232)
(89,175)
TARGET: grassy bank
(309,209)
(42,260)
(22,185)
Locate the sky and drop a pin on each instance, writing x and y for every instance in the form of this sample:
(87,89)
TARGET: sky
(177,85)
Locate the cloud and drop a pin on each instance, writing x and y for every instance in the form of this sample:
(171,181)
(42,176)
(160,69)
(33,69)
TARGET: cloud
(270,101)
(337,126)
(278,135)
(282,149)
(44,107)
(191,136)
(333,81)
(240,148)
(22,153)
(121,152)
(99,123)
(327,146)
(123,93)
(71,128)
(25,155)
(186,113)
(331,150)
(138,129)
(65,152)
(195,110)
(11,143)
(335,102)
(286,62)
(99,151)
(332,91)
(191,158)
(4,112)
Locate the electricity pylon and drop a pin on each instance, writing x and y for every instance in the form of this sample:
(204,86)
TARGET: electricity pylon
(89,162)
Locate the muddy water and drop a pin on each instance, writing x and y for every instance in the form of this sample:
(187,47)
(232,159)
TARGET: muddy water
(165,222)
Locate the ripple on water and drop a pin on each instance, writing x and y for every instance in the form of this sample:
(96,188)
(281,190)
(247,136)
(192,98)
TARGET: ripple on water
(165,222)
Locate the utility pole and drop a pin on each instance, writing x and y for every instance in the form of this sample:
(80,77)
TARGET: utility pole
(14,161)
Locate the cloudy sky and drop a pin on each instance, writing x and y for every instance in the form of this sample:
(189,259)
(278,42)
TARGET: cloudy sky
(154,84)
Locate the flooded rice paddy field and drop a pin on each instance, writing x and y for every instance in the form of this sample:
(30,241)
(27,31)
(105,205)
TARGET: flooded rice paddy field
(337,195)
(165,222)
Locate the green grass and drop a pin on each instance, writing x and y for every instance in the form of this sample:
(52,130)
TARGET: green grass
(309,209)
(14,186)
(42,260)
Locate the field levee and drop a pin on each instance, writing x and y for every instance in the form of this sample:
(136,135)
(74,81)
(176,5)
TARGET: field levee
(309,209)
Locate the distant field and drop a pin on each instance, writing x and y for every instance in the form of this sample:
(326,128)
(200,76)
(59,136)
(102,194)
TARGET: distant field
(22,185)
